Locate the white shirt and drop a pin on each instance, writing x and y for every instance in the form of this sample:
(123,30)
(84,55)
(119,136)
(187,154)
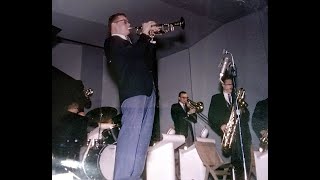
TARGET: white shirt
(120,35)
(127,38)
(182,105)
(123,37)
(226,97)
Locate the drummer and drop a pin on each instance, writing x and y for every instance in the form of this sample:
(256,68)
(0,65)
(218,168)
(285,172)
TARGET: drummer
(105,123)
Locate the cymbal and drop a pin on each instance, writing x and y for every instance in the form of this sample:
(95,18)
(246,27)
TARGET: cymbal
(102,112)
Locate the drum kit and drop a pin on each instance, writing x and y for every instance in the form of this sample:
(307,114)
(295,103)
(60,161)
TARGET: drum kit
(98,159)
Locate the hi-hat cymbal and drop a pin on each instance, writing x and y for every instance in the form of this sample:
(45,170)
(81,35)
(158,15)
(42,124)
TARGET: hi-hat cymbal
(97,114)
(117,119)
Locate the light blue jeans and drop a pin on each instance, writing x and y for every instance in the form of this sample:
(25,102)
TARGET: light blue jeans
(134,136)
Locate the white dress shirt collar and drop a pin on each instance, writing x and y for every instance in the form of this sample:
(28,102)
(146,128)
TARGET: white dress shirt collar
(120,35)
(182,105)
(225,94)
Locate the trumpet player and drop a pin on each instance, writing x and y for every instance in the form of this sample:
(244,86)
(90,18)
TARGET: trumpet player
(219,112)
(130,65)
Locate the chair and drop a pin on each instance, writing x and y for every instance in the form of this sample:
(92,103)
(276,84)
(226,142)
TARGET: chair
(212,161)
(161,157)
(260,167)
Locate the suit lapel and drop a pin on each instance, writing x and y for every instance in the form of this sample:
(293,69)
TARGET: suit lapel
(224,101)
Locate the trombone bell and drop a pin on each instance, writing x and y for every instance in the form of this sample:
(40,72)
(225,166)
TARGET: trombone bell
(196,105)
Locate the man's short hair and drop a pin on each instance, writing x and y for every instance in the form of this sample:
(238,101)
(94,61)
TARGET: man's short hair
(111,20)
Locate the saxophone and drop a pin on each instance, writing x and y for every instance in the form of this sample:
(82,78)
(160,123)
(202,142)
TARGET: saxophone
(228,135)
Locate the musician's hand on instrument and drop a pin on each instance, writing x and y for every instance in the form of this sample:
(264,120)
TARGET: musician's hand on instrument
(154,28)
(188,105)
(223,128)
(263,133)
(147,27)
(106,125)
(192,111)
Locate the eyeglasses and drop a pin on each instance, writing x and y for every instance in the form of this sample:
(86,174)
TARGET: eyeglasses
(124,21)
(184,97)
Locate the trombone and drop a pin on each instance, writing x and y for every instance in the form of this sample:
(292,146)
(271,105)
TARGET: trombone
(164,28)
(199,108)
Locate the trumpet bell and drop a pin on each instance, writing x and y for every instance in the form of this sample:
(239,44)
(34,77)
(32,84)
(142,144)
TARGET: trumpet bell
(180,23)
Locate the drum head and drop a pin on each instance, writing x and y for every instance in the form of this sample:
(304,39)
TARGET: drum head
(107,161)
(90,166)
(99,163)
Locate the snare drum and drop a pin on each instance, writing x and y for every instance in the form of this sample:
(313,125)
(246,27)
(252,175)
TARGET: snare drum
(105,133)
(111,135)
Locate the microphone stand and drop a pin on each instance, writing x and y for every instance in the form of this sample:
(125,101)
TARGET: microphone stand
(233,72)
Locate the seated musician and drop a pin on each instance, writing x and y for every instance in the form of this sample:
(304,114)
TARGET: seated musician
(70,134)
(105,123)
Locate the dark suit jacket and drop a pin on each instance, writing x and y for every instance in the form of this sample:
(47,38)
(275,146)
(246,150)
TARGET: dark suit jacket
(131,65)
(182,122)
(260,117)
(73,126)
(69,136)
(219,113)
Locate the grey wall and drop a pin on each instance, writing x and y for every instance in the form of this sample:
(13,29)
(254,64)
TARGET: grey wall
(81,63)
(92,73)
(68,58)
(110,95)
(174,76)
(194,70)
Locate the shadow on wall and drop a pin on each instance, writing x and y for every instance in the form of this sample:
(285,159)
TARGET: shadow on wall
(65,90)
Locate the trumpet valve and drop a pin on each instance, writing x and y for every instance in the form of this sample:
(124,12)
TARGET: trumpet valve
(164,28)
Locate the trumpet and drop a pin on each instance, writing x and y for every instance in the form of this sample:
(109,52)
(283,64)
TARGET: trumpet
(164,28)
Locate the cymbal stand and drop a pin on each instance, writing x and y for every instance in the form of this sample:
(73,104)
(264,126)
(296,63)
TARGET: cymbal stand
(99,132)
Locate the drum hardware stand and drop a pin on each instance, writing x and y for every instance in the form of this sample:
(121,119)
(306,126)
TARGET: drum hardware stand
(233,174)
(99,124)
(91,143)
(74,175)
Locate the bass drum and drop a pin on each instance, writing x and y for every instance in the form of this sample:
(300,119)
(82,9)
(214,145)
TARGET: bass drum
(99,163)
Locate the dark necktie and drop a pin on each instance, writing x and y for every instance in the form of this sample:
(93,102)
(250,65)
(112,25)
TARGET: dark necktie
(230,99)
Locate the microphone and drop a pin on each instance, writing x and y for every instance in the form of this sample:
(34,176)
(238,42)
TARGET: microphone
(224,66)
(225,51)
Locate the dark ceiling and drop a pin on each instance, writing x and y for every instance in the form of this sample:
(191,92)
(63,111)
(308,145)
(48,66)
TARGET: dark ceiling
(83,21)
